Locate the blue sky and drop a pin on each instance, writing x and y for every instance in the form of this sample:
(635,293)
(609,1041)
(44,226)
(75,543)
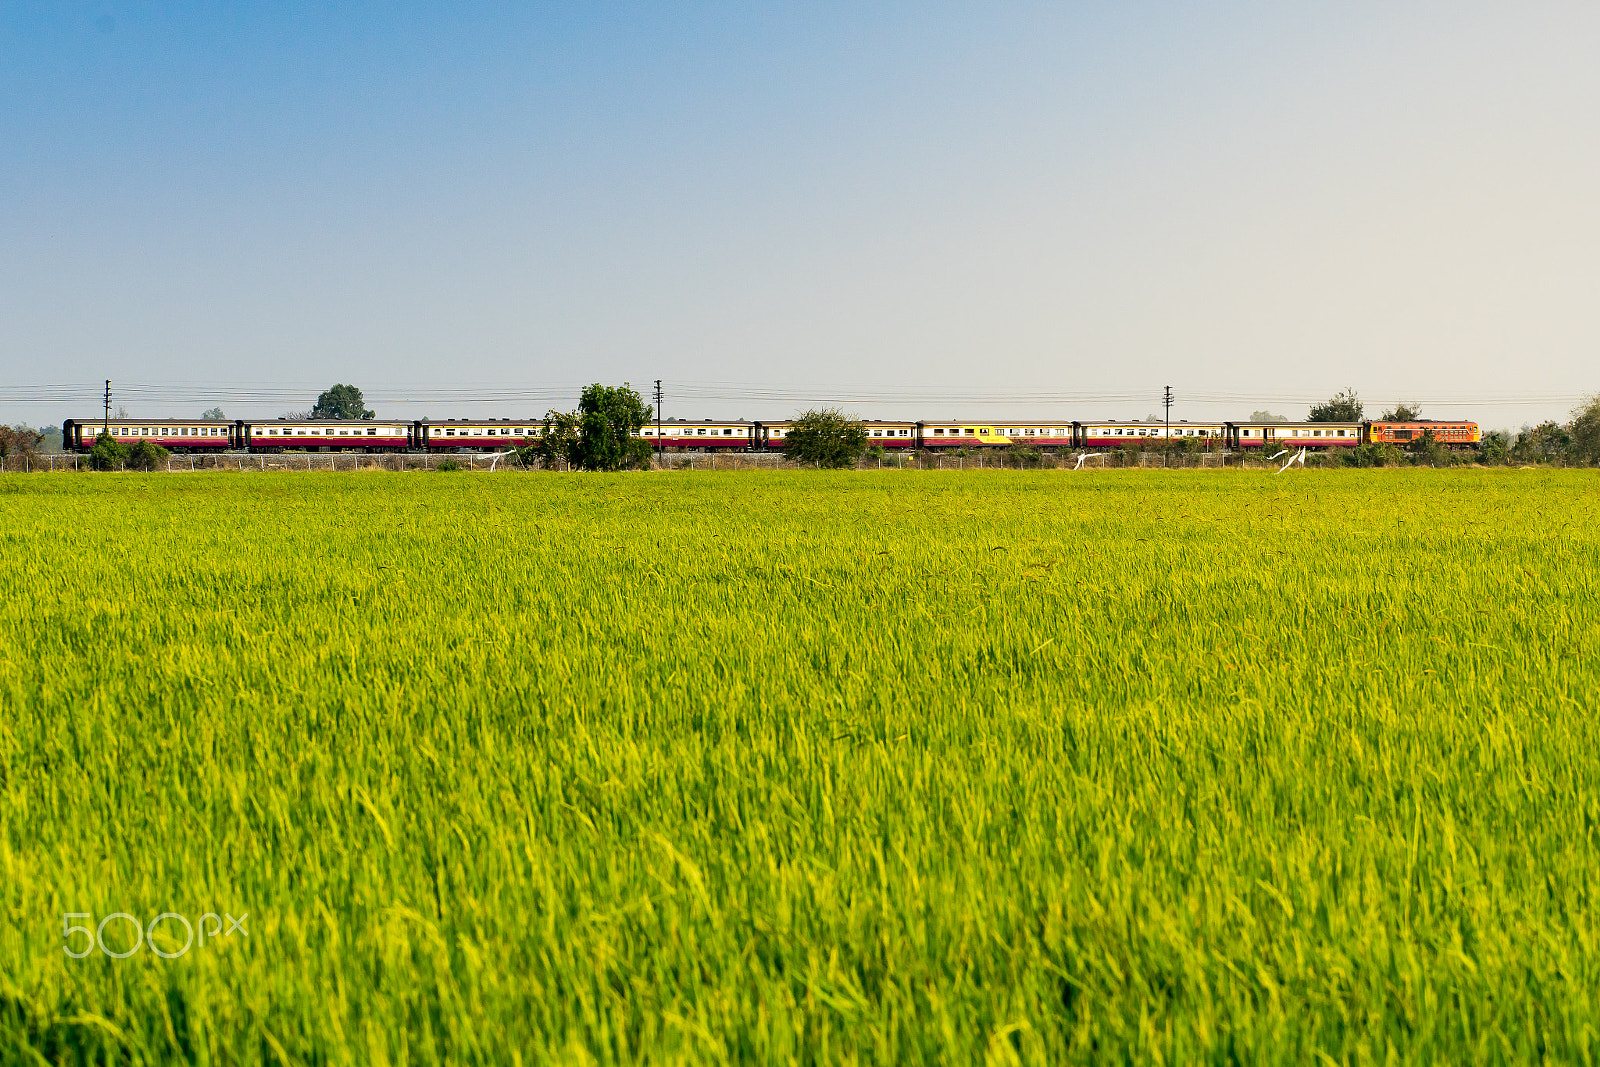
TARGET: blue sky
(900,205)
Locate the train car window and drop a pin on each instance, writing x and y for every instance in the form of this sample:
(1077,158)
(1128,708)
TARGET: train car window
(728,432)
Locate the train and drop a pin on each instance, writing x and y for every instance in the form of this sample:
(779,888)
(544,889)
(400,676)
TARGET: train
(198,436)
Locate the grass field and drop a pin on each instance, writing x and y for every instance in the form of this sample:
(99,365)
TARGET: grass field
(881,767)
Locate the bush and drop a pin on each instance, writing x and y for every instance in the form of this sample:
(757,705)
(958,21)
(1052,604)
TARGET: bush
(1020,457)
(447,466)
(1495,449)
(147,456)
(827,437)
(1375,454)
(20,441)
(1544,443)
(1585,431)
(108,454)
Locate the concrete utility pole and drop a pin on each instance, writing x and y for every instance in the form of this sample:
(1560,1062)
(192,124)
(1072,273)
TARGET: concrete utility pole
(658,414)
(107,427)
(1166,399)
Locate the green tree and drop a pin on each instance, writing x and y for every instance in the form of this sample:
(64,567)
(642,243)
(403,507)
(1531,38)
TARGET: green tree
(1544,443)
(1495,449)
(108,454)
(1341,407)
(341,402)
(610,416)
(1585,430)
(557,440)
(1402,413)
(600,435)
(216,413)
(825,436)
(1264,416)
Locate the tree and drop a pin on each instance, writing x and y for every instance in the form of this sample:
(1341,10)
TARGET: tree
(1402,413)
(1341,407)
(1585,430)
(1541,444)
(212,413)
(1267,416)
(18,441)
(1495,449)
(825,436)
(558,439)
(341,402)
(108,454)
(600,435)
(609,416)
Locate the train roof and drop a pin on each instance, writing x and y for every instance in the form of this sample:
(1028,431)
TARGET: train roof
(179,419)
(1291,422)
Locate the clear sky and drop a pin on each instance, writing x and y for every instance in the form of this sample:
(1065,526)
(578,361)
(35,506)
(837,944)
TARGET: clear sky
(896,204)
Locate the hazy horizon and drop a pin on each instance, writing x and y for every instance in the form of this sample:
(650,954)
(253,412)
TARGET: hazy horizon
(1050,209)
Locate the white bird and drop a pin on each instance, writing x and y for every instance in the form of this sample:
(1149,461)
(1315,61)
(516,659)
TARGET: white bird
(1087,455)
(1301,457)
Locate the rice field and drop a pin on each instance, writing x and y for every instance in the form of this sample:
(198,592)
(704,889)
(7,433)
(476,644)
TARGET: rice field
(879,767)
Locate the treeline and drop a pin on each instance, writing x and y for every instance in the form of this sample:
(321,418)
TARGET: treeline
(1575,442)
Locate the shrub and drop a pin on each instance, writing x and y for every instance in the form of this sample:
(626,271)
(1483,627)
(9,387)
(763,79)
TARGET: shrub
(146,456)
(448,466)
(21,441)
(1020,457)
(1544,443)
(1585,430)
(1375,454)
(108,454)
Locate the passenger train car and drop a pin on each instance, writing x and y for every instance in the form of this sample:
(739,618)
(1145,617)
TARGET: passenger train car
(882,434)
(319,435)
(711,435)
(1123,434)
(499,435)
(178,435)
(489,435)
(1293,434)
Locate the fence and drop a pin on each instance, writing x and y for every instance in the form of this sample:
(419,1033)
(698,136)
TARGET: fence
(690,461)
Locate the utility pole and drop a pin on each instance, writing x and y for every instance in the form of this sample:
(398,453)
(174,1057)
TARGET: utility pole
(1166,400)
(658,414)
(107,427)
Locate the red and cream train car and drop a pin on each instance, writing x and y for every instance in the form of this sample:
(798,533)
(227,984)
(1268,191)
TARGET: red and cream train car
(1278,435)
(771,435)
(176,435)
(736,435)
(477,435)
(328,435)
(1115,434)
(986,433)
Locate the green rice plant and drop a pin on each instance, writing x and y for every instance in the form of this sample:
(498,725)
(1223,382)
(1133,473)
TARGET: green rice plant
(801,767)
